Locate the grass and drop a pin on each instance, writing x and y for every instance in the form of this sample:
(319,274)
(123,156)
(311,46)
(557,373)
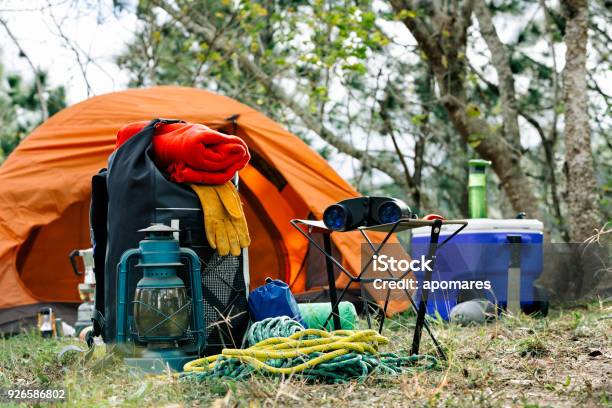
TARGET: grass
(562,360)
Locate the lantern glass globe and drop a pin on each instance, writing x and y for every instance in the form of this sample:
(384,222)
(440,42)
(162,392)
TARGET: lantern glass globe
(153,306)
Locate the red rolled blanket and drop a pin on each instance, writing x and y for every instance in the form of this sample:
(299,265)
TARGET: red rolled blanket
(193,153)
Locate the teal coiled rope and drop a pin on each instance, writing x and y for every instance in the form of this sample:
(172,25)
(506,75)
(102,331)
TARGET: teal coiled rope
(282,326)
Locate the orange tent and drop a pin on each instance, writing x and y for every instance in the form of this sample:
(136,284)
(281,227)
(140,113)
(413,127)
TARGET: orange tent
(45,191)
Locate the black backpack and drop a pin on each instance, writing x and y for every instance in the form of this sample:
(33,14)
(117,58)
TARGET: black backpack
(130,195)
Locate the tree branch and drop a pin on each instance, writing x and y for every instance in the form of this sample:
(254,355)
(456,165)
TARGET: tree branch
(37,82)
(536,125)
(556,97)
(423,36)
(388,129)
(70,45)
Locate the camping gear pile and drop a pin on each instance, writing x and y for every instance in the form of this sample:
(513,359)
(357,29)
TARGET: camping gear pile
(181,292)
(149,292)
(312,354)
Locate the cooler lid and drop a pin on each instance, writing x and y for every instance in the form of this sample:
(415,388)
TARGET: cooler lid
(482,225)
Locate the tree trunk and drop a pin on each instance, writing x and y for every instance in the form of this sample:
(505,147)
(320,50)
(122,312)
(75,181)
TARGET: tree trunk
(501,61)
(582,195)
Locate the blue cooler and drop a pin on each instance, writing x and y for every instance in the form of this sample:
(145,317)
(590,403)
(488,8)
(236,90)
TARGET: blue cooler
(481,252)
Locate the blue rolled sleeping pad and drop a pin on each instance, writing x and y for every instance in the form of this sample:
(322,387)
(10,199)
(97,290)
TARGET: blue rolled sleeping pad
(273,299)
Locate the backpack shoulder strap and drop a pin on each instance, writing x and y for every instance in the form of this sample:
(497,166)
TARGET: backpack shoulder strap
(98,216)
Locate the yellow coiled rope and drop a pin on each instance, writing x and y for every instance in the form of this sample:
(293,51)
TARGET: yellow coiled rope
(315,354)
(331,345)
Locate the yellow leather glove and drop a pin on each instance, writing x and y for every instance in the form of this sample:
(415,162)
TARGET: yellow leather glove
(224,221)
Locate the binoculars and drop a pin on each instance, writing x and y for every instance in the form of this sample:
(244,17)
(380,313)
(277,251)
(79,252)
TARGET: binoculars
(353,213)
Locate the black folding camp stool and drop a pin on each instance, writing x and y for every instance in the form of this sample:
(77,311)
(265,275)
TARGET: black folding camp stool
(403,224)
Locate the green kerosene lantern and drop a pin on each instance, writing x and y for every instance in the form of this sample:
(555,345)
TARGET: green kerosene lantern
(160,319)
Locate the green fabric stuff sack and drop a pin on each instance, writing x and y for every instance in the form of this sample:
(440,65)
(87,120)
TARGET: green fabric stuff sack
(315,314)
(274,299)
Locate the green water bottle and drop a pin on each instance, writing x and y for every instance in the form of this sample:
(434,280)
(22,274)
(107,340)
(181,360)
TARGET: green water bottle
(477,188)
